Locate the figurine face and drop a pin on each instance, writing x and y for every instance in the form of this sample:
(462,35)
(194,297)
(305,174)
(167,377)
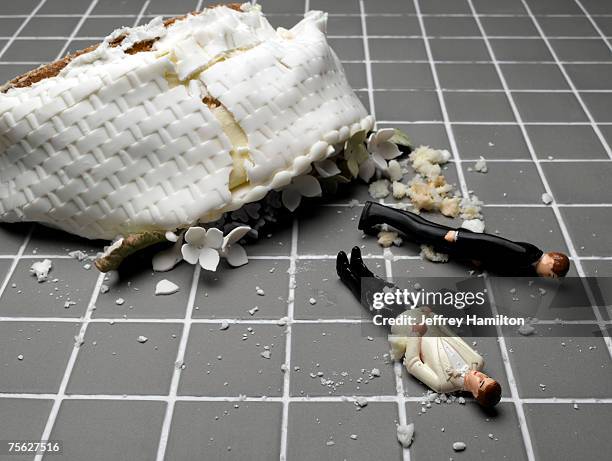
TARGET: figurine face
(545,265)
(484,389)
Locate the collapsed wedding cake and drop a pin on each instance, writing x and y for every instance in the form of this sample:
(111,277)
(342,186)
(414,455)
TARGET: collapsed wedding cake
(173,123)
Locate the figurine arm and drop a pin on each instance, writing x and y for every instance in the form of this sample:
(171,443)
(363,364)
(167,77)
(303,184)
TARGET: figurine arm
(418,369)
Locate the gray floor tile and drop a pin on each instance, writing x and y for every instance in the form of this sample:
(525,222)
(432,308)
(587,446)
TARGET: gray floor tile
(219,428)
(553,7)
(444,424)
(393,25)
(47,241)
(364,97)
(111,360)
(541,362)
(478,107)
(212,300)
(584,430)
(44,347)
(420,270)
(407,106)
(506,182)
(12,236)
(33,50)
(605,24)
(444,7)
(581,50)
(323,431)
(521,297)
(282,6)
(318,280)
(451,26)
(599,105)
(24,7)
(9,71)
(457,49)
(590,179)
(402,76)
(76,45)
(508,26)
(397,49)
(340,6)
(99,430)
(427,134)
(499,7)
(597,6)
(532,49)
(565,141)
(26,422)
(589,230)
(135,284)
(344,25)
(388,6)
(175,7)
(601,272)
(229,362)
(347,49)
(589,76)
(567,26)
(356,74)
(64,7)
(468,77)
(549,107)
(319,225)
(534,76)
(272,242)
(344,355)
(59,296)
(101,27)
(534,225)
(490,141)
(288,20)
(50,27)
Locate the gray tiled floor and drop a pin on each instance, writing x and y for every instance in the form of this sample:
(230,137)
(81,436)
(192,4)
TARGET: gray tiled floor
(537,107)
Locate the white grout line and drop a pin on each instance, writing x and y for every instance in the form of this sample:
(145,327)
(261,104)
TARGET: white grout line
(78,26)
(536,161)
(503,348)
(145,5)
(594,24)
(25,22)
(61,393)
(16,259)
(366,54)
(445,117)
(178,368)
(287,363)
(242,398)
(398,371)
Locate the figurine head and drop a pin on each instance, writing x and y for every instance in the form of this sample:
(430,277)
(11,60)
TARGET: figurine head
(485,390)
(552,265)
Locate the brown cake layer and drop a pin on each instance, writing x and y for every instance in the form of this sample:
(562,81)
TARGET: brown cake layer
(54,68)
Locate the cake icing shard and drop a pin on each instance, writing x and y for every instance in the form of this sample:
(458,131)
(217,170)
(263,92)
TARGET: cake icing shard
(172,123)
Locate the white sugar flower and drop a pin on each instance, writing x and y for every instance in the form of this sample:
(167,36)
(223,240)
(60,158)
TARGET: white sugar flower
(232,251)
(203,245)
(305,185)
(327,168)
(367,170)
(382,148)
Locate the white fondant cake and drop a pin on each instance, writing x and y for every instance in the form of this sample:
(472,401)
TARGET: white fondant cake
(219,110)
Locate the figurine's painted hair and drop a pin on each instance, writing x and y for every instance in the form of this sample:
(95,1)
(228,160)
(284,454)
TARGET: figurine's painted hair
(490,395)
(561,264)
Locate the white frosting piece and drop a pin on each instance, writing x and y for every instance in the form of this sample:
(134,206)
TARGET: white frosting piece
(119,143)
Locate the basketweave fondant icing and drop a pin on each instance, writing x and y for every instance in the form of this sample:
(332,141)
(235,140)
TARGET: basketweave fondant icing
(167,124)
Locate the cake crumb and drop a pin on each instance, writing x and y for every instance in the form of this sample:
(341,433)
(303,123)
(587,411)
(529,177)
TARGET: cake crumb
(41,269)
(405,434)
(142,339)
(166,287)
(547,199)
(427,252)
(481,165)
(379,189)
(459,446)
